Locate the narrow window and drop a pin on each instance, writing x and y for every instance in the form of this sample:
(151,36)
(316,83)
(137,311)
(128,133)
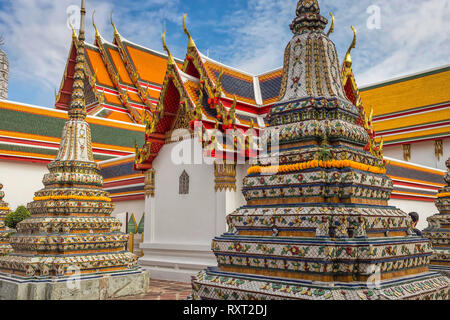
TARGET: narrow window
(184,183)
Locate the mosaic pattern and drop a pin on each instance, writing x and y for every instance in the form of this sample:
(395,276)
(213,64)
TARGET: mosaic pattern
(213,285)
(5,248)
(316,227)
(438,230)
(70,228)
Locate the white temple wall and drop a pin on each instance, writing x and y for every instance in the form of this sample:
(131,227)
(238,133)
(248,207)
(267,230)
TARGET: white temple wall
(421,153)
(187,219)
(423,208)
(181,226)
(21,180)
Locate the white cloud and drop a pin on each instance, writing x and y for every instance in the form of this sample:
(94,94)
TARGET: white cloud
(37,39)
(414,35)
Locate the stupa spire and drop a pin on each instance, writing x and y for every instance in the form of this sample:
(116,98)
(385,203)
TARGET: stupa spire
(317,225)
(73,189)
(82,21)
(70,228)
(311,66)
(77,108)
(308,17)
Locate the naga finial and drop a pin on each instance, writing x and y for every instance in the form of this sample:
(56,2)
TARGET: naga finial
(219,83)
(170,59)
(191,43)
(348,57)
(332,25)
(74,33)
(97,34)
(114,26)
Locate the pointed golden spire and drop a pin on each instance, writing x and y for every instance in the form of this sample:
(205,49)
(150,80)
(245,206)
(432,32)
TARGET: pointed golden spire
(114,26)
(83,15)
(332,25)
(77,108)
(191,43)
(170,59)
(348,58)
(97,34)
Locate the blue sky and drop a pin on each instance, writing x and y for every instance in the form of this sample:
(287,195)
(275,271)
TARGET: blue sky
(247,34)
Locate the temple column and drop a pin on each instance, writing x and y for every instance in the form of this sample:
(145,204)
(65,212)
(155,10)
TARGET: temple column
(149,205)
(225,187)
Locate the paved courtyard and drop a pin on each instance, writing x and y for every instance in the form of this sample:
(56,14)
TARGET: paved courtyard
(164,290)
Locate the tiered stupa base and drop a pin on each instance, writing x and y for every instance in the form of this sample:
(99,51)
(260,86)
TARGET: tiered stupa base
(438,230)
(5,247)
(71,247)
(99,286)
(213,284)
(440,239)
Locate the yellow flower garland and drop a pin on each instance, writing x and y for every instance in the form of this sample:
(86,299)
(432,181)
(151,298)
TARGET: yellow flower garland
(72,198)
(443,195)
(4,208)
(316,164)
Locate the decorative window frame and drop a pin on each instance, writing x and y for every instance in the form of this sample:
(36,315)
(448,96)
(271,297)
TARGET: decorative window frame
(183,183)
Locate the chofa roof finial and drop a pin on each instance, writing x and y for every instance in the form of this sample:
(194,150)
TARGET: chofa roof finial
(114,26)
(191,43)
(97,34)
(332,25)
(348,58)
(170,60)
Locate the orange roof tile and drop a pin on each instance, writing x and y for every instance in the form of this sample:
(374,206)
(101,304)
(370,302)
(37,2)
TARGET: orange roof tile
(192,89)
(120,66)
(151,68)
(97,65)
(112,98)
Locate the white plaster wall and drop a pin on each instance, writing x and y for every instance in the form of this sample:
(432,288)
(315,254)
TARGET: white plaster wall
(421,153)
(183,219)
(424,209)
(20,181)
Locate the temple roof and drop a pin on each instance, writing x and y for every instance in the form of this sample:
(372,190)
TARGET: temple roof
(31,133)
(407,109)
(125,78)
(411,108)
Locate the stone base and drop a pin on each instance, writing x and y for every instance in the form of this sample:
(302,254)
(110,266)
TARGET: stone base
(86,287)
(176,262)
(213,284)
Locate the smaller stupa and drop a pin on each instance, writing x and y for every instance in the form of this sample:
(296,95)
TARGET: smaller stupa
(71,247)
(438,230)
(5,248)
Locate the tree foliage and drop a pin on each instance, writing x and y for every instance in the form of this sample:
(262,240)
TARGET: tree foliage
(14,217)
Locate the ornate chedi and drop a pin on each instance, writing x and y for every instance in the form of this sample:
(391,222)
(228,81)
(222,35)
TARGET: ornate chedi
(70,231)
(5,248)
(4,73)
(318,226)
(439,229)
